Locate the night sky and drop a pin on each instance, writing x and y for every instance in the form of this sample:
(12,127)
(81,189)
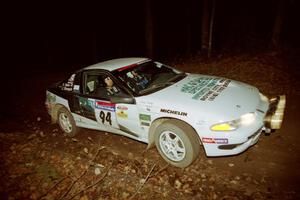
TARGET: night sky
(73,35)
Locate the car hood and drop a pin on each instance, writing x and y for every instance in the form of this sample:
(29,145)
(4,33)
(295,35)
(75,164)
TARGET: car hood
(212,97)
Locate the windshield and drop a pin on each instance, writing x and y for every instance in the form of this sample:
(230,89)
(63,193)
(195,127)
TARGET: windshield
(148,77)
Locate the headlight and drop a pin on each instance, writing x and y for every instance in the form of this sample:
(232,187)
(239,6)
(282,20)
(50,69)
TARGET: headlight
(225,126)
(245,119)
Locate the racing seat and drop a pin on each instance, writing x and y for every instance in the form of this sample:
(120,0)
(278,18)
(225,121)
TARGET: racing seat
(91,84)
(101,90)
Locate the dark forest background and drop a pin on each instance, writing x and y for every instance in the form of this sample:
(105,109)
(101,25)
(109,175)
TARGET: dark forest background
(72,35)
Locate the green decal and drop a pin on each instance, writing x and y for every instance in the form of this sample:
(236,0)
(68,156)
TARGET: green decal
(87,104)
(145,117)
(205,88)
(200,93)
(145,124)
(51,98)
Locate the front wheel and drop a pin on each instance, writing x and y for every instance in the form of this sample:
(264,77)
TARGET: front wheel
(66,122)
(177,143)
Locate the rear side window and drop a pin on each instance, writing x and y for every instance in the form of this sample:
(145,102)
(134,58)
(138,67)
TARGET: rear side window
(68,85)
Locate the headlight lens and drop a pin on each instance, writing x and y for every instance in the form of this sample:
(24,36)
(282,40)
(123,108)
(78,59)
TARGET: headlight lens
(245,119)
(225,126)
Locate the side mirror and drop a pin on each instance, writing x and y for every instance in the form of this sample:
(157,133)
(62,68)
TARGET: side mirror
(122,99)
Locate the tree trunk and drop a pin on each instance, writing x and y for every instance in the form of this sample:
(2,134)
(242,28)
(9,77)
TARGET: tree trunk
(149,30)
(94,46)
(212,17)
(188,29)
(205,26)
(278,26)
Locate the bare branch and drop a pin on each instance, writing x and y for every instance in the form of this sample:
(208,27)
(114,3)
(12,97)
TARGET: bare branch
(162,169)
(89,186)
(56,184)
(85,171)
(143,183)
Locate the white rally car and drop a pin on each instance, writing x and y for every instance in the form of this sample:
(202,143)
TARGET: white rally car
(159,105)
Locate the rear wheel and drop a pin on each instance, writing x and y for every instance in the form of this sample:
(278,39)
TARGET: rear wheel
(66,122)
(177,143)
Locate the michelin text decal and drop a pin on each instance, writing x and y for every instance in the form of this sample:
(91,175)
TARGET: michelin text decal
(173,112)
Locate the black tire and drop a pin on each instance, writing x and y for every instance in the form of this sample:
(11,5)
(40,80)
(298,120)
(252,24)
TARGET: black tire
(66,122)
(185,137)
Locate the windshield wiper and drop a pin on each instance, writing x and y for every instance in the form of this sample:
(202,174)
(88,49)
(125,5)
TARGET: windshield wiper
(169,82)
(177,76)
(156,86)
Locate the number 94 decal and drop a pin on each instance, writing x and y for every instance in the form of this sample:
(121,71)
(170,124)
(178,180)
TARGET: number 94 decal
(105,117)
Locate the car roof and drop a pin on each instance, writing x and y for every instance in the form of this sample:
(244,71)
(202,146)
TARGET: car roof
(118,63)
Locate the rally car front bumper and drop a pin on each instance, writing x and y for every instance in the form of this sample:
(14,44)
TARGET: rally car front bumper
(272,119)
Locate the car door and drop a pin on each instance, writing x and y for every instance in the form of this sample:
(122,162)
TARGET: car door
(94,102)
(110,111)
(128,120)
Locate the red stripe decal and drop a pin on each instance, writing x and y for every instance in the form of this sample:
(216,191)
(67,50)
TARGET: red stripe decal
(102,103)
(127,67)
(208,140)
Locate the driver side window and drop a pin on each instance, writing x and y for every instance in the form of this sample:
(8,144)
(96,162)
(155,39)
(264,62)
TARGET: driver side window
(100,86)
(92,82)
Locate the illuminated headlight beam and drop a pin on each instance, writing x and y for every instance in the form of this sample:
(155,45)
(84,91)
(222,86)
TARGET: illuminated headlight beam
(247,119)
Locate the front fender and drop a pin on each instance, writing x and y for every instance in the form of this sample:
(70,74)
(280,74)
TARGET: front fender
(156,123)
